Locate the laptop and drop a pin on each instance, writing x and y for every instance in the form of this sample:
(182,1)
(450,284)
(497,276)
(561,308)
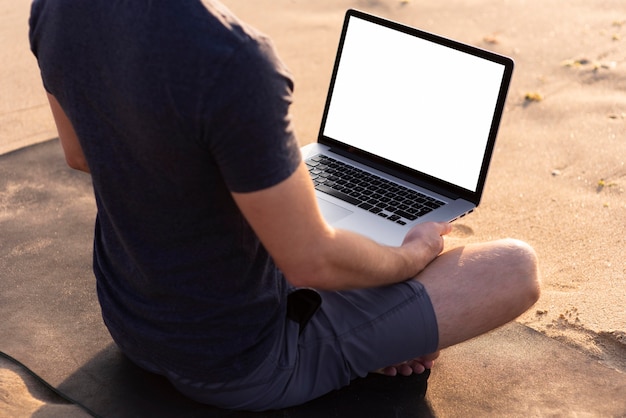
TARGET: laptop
(412,118)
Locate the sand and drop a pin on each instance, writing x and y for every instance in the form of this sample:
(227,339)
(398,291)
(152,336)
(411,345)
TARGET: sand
(558,175)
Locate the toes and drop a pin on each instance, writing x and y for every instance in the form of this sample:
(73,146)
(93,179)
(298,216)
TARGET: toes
(405,369)
(418,368)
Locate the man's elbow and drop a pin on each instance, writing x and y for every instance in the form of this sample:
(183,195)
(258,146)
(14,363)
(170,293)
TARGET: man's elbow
(316,275)
(77,163)
(314,264)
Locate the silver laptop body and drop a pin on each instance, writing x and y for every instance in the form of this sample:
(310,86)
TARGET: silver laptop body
(414,113)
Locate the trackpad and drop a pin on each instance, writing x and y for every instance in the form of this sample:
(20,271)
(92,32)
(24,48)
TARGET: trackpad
(332,213)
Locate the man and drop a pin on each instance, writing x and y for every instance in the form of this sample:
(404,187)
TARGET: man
(207,219)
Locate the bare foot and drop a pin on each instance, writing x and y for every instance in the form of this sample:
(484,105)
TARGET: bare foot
(417,365)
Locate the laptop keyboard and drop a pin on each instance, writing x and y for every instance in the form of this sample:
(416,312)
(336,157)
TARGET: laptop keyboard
(368,191)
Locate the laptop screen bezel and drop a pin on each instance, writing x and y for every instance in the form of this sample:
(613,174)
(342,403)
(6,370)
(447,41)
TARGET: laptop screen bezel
(401,171)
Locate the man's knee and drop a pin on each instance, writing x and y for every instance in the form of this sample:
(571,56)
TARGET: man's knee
(523,259)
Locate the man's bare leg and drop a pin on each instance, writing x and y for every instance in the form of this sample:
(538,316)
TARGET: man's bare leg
(477,288)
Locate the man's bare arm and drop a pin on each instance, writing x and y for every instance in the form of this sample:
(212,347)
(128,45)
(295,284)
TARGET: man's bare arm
(69,140)
(311,253)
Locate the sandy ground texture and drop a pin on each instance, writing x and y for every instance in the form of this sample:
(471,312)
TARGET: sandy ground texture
(558,175)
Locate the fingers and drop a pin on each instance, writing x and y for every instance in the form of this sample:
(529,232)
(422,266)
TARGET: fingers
(446,228)
(428,235)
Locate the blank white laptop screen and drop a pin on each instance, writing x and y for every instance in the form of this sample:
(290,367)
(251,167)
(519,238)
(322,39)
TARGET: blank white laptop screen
(423,105)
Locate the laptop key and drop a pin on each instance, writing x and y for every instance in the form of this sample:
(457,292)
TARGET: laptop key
(431,205)
(406,215)
(339,195)
(368,191)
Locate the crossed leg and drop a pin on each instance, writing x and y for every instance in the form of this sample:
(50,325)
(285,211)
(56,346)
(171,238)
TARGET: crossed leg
(475,289)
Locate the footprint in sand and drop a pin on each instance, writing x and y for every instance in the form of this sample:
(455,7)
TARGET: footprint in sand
(461,231)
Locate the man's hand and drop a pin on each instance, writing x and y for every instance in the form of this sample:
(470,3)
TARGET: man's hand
(311,253)
(426,240)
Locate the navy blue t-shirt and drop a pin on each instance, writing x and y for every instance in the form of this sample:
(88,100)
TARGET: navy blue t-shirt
(176,103)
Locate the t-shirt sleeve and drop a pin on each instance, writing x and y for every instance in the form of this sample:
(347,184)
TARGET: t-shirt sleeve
(250,132)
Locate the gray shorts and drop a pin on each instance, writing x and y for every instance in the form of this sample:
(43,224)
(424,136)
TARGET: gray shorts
(352,334)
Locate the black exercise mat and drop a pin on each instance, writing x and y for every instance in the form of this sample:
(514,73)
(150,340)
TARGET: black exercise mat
(51,322)
(51,317)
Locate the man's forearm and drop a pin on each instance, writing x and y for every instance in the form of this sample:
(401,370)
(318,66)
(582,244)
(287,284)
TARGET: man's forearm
(311,253)
(346,260)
